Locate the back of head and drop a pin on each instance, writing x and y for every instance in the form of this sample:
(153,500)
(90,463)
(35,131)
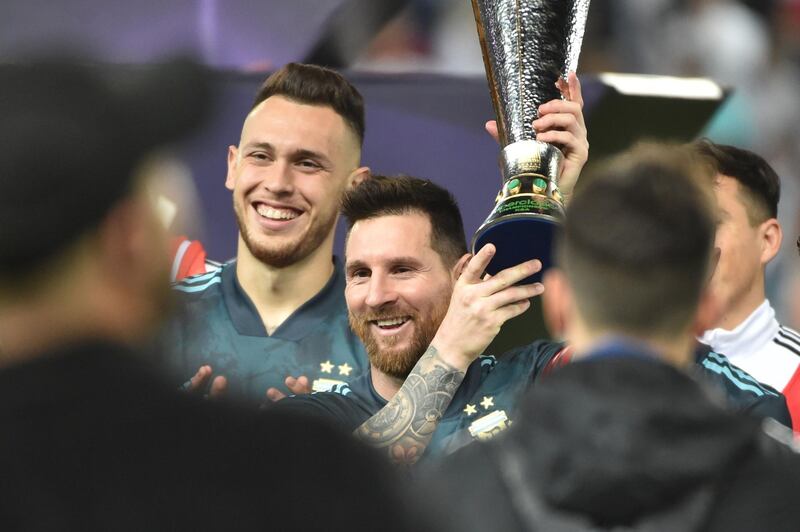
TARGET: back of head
(637,242)
(316,85)
(71,139)
(387,196)
(759,184)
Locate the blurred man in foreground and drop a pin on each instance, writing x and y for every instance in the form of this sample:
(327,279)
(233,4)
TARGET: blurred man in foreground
(622,437)
(91,439)
(749,237)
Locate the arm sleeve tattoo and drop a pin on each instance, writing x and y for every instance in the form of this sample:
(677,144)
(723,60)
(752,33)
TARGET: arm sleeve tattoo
(404,427)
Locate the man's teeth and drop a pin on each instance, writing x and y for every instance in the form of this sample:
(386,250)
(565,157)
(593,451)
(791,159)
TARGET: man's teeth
(276,214)
(391,322)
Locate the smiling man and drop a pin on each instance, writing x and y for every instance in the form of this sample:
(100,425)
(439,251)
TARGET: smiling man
(275,319)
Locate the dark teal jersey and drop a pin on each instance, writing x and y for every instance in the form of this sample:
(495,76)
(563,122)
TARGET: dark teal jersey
(486,402)
(521,368)
(483,405)
(217,324)
(737,388)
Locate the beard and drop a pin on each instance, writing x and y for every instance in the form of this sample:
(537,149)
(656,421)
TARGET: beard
(286,254)
(389,359)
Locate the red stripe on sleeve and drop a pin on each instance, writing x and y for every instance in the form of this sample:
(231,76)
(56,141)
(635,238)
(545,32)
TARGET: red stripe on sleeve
(792,394)
(562,358)
(194,261)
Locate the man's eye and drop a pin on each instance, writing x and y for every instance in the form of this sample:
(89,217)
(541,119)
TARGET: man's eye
(359,274)
(259,156)
(306,163)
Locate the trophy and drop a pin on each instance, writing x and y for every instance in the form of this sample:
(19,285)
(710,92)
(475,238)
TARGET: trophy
(527,45)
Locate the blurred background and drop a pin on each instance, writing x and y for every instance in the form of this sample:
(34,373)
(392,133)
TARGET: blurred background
(419,66)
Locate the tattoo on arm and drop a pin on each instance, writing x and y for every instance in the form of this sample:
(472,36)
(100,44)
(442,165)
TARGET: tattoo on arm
(406,424)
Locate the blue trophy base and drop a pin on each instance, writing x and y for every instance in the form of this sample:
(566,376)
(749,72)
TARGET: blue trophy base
(518,238)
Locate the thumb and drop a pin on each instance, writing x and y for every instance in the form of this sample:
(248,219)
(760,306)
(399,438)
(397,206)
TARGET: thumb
(274,394)
(491,128)
(218,387)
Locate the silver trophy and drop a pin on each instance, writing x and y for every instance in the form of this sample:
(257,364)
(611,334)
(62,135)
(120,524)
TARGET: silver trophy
(527,45)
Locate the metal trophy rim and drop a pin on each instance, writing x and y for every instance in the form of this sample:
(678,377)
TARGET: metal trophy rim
(516,216)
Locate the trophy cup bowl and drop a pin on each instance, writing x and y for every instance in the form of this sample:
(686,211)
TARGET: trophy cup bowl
(527,45)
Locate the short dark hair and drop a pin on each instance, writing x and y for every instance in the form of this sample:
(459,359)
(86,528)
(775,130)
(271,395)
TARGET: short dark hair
(759,183)
(316,85)
(387,196)
(637,241)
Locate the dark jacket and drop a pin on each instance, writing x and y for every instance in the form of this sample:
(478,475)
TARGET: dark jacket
(91,440)
(624,442)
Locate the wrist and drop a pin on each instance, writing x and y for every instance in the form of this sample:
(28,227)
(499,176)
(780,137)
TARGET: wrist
(452,354)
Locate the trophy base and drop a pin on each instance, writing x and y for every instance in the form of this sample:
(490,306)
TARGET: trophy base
(518,238)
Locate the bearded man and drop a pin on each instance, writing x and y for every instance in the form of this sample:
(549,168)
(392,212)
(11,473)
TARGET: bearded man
(275,317)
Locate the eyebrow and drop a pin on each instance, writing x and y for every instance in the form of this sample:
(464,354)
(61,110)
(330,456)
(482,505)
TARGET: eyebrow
(262,145)
(394,260)
(310,154)
(354,265)
(302,153)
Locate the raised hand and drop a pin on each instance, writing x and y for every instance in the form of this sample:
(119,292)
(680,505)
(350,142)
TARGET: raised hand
(561,123)
(480,305)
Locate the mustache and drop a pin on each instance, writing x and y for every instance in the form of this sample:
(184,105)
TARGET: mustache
(382,315)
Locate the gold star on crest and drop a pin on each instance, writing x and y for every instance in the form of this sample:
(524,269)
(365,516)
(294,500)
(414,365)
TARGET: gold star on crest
(326,367)
(345,369)
(470,409)
(487,402)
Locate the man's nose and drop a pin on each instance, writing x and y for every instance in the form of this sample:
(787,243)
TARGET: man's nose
(279,178)
(381,292)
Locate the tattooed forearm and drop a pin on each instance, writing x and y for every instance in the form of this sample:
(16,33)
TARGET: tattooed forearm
(406,424)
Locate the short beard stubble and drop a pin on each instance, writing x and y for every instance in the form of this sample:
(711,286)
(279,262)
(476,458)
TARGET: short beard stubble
(291,252)
(398,364)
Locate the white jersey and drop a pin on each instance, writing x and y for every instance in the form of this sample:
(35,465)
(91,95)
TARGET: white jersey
(766,350)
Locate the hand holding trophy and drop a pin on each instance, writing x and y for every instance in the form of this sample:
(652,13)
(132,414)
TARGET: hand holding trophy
(528,45)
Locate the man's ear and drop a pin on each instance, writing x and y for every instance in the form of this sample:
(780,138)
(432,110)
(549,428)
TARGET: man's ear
(358,176)
(132,237)
(556,302)
(708,312)
(771,238)
(233,161)
(120,238)
(459,266)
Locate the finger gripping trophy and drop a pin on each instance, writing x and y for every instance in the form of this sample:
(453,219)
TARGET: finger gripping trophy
(527,45)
